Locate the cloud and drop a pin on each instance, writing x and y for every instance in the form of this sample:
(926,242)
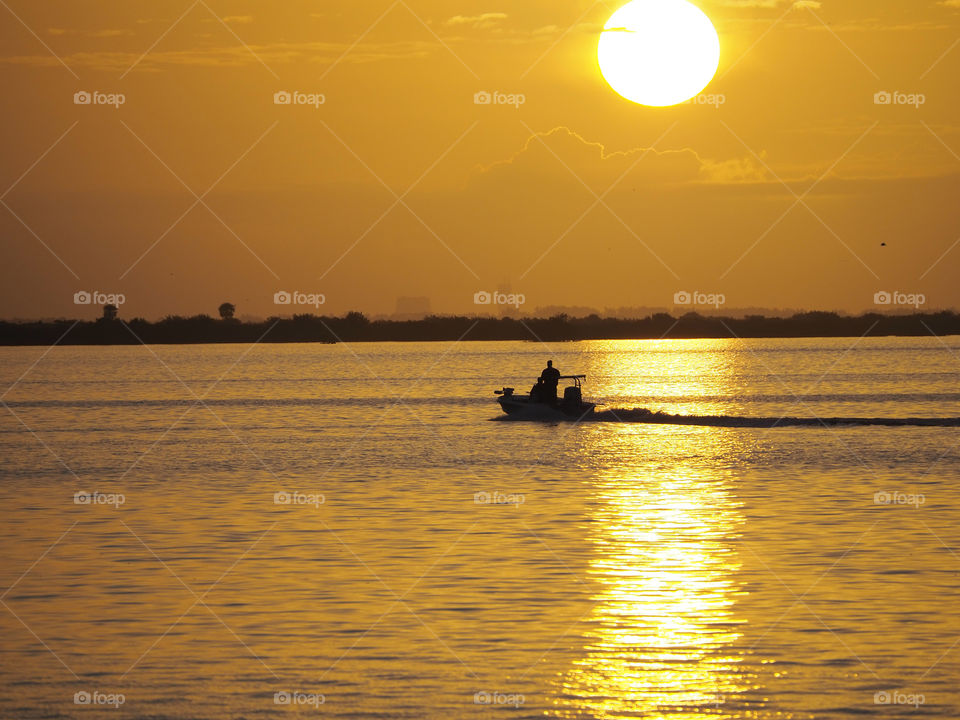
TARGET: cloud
(234,56)
(796,5)
(544,154)
(110,33)
(477,22)
(750,3)
(733,171)
(105,33)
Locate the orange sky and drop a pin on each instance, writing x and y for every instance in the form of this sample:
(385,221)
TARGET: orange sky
(400,185)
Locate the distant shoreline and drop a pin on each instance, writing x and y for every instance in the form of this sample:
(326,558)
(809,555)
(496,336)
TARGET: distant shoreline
(354,327)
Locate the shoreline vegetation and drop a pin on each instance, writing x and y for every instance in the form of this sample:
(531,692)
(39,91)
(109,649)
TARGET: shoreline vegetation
(355,327)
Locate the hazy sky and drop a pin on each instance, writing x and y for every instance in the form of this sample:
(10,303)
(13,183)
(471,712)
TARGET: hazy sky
(199,189)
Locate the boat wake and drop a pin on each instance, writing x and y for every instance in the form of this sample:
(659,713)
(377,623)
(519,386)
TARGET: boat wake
(642,415)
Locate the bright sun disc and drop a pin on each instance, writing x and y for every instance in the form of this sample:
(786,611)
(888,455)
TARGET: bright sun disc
(659,52)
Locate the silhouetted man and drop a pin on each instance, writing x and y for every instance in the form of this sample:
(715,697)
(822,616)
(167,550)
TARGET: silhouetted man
(537,392)
(550,377)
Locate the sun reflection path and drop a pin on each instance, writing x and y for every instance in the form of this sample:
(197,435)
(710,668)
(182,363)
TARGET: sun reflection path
(661,636)
(692,377)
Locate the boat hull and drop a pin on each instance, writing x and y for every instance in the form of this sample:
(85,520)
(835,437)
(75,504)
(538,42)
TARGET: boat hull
(516,406)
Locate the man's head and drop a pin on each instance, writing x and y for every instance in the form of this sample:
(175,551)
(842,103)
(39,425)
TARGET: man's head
(549,363)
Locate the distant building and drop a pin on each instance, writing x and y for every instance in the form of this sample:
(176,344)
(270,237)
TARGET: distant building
(412,308)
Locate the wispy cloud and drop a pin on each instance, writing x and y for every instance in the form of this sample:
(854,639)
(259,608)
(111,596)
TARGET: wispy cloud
(749,3)
(235,56)
(771,4)
(592,160)
(483,21)
(105,33)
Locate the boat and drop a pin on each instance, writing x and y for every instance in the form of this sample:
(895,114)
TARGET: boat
(535,405)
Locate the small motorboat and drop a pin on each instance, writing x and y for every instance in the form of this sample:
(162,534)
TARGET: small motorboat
(538,404)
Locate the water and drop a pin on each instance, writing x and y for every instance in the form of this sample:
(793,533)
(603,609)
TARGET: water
(433,563)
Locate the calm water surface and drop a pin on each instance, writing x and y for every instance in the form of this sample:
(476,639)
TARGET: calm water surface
(344,531)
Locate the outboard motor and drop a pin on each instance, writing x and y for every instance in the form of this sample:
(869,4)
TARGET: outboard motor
(572,396)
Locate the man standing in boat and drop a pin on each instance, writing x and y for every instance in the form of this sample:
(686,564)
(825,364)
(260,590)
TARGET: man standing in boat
(550,377)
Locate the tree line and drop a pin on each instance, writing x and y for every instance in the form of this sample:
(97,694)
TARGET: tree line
(356,327)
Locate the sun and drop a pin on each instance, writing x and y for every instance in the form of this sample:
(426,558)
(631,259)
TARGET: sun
(658,52)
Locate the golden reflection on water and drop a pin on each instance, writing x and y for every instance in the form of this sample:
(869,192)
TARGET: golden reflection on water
(659,637)
(676,372)
(660,640)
